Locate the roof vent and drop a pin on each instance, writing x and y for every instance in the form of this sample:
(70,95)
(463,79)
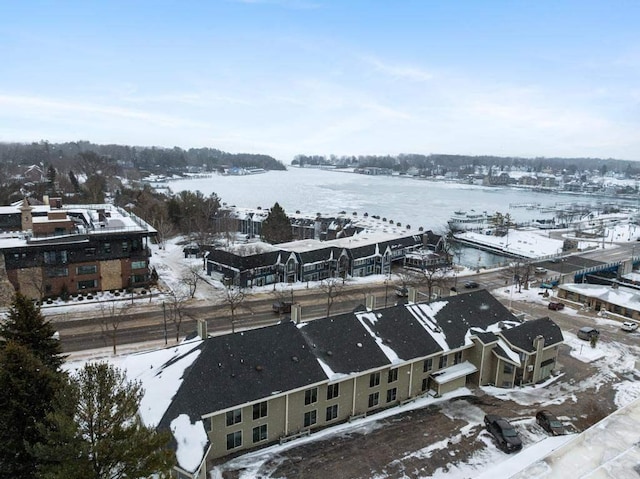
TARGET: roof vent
(258,368)
(329,353)
(294,359)
(359,345)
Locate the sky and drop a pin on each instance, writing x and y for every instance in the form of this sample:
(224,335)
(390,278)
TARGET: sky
(286,77)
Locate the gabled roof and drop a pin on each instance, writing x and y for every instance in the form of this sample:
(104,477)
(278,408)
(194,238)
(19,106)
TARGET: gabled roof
(318,255)
(365,251)
(523,335)
(343,344)
(402,242)
(241,262)
(455,318)
(238,368)
(397,329)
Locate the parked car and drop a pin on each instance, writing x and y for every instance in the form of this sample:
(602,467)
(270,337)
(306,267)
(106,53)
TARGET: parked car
(280,307)
(550,423)
(556,306)
(587,333)
(471,284)
(540,270)
(504,433)
(629,326)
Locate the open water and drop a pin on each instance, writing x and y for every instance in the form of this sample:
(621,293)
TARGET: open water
(406,200)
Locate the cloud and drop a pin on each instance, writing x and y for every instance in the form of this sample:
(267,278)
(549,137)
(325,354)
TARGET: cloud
(400,71)
(38,107)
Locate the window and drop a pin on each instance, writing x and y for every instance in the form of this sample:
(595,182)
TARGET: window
(259,410)
(310,418)
(55,257)
(234,417)
(57,272)
(310,396)
(90,251)
(260,433)
(374,399)
(90,269)
(332,391)
(206,422)
(125,246)
(138,264)
(508,368)
(88,284)
(106,248)
(425,384)
(427,365)
(234,440)
(393,375)
(374,379)
(457,357)
(392,394)
(332,412)
(443,362)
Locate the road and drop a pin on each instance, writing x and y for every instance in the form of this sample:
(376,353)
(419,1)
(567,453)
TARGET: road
(148,323)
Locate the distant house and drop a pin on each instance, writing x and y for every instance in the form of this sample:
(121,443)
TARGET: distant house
(240,391)
(34,174)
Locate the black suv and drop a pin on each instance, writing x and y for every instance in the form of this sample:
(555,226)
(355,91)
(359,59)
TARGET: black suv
(504,432)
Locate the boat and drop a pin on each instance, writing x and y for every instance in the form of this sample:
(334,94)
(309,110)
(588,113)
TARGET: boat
(470,221)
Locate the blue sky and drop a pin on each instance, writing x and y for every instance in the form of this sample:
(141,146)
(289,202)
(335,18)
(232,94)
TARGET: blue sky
(282,77)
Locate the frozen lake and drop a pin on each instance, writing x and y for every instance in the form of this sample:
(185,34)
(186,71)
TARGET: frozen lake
(405,200)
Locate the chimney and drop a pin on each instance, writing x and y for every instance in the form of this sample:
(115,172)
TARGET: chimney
(25,213)
(413,294)
(296,313)
(202,329)
(370,302)
(538,343)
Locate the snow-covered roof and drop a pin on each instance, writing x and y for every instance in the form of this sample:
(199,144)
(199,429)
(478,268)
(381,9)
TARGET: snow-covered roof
(620,296)
(454,372)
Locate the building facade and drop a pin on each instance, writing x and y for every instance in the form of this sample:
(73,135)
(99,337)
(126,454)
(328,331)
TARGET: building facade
(270,385)
(54,250)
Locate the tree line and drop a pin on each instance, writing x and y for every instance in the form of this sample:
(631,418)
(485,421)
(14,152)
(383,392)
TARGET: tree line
(124,160)
(466,163)
(68,425)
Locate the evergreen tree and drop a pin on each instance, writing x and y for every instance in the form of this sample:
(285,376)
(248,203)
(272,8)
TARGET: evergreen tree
(277,227)
(27,388)
(26,326)
(96,423)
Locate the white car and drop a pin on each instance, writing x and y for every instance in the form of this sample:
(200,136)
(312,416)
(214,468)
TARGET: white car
(629,326)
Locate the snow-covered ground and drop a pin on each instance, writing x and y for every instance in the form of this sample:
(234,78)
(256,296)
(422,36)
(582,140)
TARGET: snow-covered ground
(613,360)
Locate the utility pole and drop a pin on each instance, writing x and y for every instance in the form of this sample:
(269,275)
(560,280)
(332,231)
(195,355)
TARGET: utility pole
(164,316)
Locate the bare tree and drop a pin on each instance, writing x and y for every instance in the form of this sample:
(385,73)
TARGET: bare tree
(234,297)
(191,278)
(32,283)
(112,315)
(332,287)
(521,273)
(435,277)
(177,309)
(165,229)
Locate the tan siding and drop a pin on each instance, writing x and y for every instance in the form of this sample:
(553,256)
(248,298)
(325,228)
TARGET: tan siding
(31,282)
(111,274)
